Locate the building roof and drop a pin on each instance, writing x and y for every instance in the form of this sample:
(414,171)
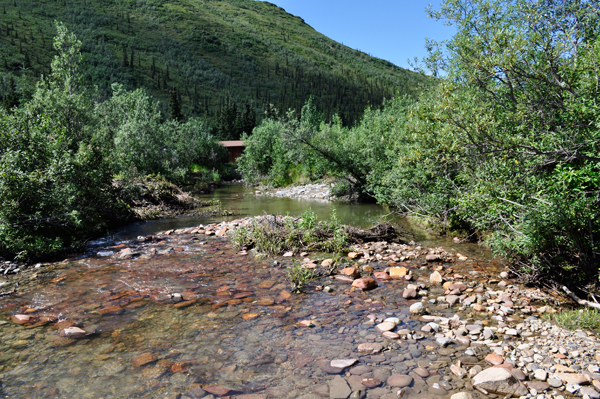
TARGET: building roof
(232,143)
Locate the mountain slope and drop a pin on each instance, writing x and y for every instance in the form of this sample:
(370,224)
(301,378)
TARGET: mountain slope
(209,50)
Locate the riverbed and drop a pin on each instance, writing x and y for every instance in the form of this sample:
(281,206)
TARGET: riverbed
(170,309)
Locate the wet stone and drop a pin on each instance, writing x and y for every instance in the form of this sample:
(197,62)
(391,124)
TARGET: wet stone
(399,381)
(371,382)
(338,388)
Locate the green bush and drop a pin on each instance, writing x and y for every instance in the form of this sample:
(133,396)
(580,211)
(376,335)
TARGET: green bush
(275,235)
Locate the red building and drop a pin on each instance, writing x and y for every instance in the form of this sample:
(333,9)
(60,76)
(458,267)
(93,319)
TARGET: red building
(234,148)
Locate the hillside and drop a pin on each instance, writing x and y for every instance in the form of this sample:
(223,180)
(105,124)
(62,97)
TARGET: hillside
(209,50)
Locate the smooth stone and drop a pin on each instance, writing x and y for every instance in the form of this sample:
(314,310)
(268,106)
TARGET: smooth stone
(417,308)
(329,369)
(435,278)
(554,382)
(540,374)
(365,284)
(390,335)
(409,293)
(421,372)
(399,381)
(494,359)
(385,326)
(371,382)
(343,363)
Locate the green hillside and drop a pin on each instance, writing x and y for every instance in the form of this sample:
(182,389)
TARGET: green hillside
(250,52)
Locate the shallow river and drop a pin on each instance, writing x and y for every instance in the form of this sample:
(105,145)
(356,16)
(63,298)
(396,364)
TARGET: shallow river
(232,322)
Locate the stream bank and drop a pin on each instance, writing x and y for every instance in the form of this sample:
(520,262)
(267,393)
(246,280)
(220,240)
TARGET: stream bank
(181,314)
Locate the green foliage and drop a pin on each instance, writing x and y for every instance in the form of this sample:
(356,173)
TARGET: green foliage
(60,150)
(250,51)
(275,235)
(298,277)
(506,145)
(577,319)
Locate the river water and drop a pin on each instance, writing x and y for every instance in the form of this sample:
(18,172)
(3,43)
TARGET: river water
(187,311)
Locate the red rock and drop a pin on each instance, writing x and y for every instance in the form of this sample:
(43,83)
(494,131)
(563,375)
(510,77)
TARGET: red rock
(409,293)
(111,309)
(285,295)
(249,316)
(180,367)
(217,390)
(184,304)
(305,323)
(265,301)
(365,283)
(22,319)
(221,232)
(371,382)
(382,276)
(234,302)
(350,272)
(432,258)
(143,359)
(266,284)
(62,341)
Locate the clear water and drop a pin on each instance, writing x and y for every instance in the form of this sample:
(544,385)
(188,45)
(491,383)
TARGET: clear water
(241,330)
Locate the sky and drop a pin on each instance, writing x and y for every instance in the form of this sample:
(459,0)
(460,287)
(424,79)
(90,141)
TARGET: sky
(394,30)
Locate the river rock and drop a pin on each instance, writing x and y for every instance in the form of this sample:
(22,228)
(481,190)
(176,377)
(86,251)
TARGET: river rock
(432,258)
(435,278)
(399,380)
(22,318)
(370,348)
(73,332)
(452,299)
(343,363)
(494,359)
(409,293)
(589,392)
(194,393)
(371,382)
(570,378)
(397,272)
(338,388)
(385,326)
(382,276)
(365,283)
(499,380)
(417,308)
(351,272)
(143,359)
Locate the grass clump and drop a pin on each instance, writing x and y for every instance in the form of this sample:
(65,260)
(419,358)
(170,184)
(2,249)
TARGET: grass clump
(275,235)
(298,276)
(577,319)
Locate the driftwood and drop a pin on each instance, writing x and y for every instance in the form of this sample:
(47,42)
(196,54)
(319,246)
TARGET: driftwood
(381,232)
(580,301)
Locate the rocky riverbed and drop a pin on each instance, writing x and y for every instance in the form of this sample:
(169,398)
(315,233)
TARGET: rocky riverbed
(317,191)
(181,314)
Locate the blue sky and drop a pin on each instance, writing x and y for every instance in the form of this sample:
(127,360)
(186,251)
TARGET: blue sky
(394,30)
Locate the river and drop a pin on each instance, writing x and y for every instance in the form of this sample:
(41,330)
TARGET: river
(187,312)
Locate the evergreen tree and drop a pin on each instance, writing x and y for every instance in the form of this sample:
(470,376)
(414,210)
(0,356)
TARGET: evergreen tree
(175,105)
(11,99)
